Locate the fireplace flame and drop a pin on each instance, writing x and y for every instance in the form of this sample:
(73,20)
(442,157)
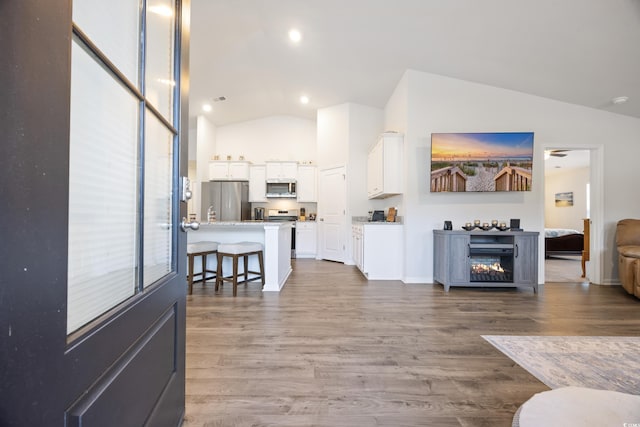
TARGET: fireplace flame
(487,268)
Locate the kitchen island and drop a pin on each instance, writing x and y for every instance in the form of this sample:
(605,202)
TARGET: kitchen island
(275,236)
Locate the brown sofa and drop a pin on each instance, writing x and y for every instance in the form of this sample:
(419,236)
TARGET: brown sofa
(628,243)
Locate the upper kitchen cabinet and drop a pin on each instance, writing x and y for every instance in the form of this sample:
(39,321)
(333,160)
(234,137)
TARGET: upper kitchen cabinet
(228,171)
(285,171)
(257,185)
(384,167)
(307,184)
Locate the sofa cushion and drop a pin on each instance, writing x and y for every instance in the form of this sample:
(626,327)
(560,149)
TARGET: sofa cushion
(628,232)
(630,251)
(626,272)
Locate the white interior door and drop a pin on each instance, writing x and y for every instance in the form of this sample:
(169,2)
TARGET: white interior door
(332,210)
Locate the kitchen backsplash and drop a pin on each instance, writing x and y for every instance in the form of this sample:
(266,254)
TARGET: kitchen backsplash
(286,204)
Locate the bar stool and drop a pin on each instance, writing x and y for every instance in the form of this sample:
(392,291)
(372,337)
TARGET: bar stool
(235,251)
(201,249)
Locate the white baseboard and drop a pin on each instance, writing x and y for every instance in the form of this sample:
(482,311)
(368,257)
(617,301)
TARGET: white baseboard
(418,279)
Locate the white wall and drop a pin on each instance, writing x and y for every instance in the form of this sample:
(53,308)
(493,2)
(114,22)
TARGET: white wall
(365,126)
(567,180)
(205,146)
(333,136)
(205,136)
(396,118)
(270,138)
(441,104)
(346,132)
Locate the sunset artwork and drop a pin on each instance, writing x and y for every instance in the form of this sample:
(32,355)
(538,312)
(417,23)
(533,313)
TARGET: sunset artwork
(464,162)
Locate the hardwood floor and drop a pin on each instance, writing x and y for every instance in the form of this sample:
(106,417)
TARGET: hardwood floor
(335,350)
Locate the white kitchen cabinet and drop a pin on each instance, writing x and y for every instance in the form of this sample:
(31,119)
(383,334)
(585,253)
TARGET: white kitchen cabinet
(228,171)
(377,250)
(282,170)
(307,184)
(384,167)
(306,239)
(374,171)
(257,183)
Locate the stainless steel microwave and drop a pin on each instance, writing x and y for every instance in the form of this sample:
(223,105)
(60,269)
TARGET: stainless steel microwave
(281,189)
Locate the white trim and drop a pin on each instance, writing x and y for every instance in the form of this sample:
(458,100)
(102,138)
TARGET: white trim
(594,266)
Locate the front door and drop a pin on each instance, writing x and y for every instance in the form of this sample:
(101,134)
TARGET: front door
(93,274)
(332,214)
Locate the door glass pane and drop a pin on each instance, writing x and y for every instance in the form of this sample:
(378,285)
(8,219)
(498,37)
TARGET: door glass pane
(160,81)
(158,172)
(114,27)
(102,191)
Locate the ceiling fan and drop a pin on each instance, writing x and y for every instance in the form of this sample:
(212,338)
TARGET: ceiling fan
(556,153)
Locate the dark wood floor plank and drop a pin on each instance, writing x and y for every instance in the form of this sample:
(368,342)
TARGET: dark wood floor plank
(333,349)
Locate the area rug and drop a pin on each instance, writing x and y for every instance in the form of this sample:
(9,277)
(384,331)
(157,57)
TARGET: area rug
(605,363)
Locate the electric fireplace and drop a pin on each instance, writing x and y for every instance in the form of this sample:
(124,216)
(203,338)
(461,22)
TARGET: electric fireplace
(491,260)
(494,259)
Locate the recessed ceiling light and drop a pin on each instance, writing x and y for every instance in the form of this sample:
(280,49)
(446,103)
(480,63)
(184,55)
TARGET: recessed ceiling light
(206,107)
(304,99)
(620,99)
(220,99)
(295,35)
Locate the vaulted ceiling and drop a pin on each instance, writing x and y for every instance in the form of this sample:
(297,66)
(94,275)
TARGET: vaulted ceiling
(584,52)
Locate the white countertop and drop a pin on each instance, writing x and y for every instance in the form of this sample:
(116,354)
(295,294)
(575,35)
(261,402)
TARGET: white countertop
(376,223)
(358,220)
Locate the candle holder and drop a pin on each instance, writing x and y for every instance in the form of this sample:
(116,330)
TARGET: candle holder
(502,226)
(485,226)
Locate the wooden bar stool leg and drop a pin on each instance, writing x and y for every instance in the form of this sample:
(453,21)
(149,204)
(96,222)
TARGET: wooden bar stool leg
(235,275)
(190,277)
(261,262)
(246,269)
(218,272)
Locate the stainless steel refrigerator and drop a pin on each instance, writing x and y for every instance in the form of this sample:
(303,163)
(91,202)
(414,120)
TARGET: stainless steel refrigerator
(230,200)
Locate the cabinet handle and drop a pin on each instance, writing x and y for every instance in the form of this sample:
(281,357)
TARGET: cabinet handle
(516,250)
(468,250)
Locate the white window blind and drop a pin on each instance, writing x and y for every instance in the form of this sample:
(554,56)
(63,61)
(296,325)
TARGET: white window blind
(102,191)
(158,166)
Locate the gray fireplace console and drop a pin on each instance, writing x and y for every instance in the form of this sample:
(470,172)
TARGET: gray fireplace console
(485,258)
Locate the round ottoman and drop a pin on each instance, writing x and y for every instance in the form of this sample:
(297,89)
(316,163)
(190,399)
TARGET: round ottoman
(578,406)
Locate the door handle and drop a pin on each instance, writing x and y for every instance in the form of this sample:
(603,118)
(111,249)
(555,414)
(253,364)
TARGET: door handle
(186,226)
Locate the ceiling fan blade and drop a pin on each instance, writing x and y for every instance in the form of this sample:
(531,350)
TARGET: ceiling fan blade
(556,154)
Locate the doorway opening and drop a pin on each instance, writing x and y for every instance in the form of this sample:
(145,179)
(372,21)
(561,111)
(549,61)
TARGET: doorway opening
(567,214)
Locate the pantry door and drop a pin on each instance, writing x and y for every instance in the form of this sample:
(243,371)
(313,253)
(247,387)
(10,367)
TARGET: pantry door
(332,214)
(92,304)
